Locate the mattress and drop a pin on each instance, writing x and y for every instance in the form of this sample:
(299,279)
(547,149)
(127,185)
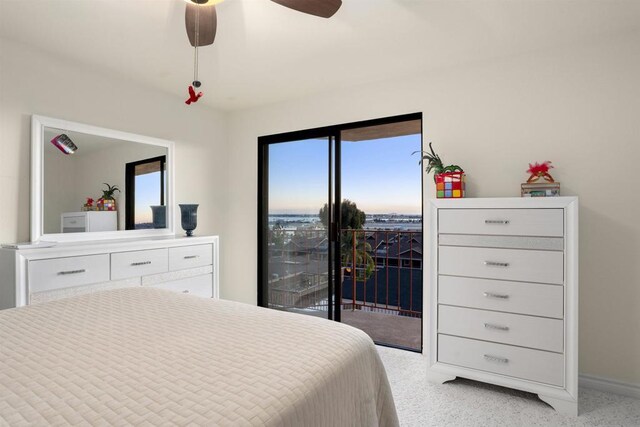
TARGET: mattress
(144,356)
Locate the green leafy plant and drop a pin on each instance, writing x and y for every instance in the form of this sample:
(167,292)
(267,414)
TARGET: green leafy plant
(356,254)
(109,193)
(350,217)
(434,163)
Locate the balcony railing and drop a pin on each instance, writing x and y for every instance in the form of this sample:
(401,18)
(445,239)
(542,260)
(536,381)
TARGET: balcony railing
(381,270)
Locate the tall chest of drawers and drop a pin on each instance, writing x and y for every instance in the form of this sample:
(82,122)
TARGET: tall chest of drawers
(503,295)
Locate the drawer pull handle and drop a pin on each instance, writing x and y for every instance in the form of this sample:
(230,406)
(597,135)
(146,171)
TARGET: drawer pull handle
(137,264)
(498,327)
(64,273)
(186,291)
(492,295)
(497,221)
(496,358)
(496,264)
(191,256)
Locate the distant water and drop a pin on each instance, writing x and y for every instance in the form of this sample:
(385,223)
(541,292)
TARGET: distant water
(373,221)
(288,218)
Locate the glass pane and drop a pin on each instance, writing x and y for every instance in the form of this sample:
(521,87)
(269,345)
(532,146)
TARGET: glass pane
(381,236)
(148,192)
(298,239)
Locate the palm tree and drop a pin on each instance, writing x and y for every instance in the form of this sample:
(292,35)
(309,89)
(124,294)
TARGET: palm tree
(356,252)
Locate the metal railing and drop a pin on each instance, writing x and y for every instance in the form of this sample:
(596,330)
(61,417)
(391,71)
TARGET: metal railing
(381,270)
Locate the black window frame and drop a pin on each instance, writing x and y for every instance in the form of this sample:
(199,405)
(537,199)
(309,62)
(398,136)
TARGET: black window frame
(130,188)
(334,133)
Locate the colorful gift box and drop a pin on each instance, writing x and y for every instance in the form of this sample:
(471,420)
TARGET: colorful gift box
(450,185)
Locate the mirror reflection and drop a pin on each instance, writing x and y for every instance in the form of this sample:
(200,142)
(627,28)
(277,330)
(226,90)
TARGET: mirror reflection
(93,183)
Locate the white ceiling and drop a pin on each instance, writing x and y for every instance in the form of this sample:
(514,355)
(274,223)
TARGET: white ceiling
(266,53)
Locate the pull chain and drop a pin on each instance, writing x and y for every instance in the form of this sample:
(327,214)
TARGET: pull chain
(195,68)
(196,82)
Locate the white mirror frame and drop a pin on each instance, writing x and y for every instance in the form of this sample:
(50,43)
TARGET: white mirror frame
(38,123)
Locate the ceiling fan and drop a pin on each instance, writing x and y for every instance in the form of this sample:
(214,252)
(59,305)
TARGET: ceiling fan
(201,22)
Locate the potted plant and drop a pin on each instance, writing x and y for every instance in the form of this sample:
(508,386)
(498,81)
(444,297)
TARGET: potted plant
(450,180)
(108,201)
(88,206)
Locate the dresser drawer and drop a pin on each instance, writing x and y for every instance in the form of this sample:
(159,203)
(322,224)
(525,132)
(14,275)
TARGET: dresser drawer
(533,365)
(50,274)
(503,264)
(74,221)
(184,257)
(138,263)
(526,331)
(514,297)
(508,222)
(201,286)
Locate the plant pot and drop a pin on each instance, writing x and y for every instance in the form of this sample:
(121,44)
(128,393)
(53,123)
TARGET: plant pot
(450,185)
(107,205)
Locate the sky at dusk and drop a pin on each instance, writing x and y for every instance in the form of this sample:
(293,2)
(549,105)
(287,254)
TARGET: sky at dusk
(147,194)
(380,176)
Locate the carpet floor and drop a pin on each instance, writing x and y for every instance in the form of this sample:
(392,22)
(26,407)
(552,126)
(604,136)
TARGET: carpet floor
(468,403)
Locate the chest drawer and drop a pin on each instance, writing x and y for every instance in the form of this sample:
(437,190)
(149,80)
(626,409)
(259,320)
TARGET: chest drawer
(514,297)
(503,264)
(507,222)
(533,365)
(184,257)
(200,286)
(51,274)
(74,221)
(526,331)
(138,263)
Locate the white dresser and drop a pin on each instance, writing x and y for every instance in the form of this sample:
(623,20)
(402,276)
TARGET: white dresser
(503,295)
(179,264)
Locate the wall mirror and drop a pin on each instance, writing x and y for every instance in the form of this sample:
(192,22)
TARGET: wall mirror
(91,183)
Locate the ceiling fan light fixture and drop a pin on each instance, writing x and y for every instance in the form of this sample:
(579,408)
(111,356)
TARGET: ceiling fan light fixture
(64,144)
(204,2)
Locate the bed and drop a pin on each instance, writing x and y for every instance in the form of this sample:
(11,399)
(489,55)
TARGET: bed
(144,356)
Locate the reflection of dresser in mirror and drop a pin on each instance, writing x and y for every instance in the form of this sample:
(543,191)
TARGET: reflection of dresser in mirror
(80,222)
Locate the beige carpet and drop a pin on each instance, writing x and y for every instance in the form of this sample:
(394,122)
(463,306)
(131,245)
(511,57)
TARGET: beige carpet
(469,403)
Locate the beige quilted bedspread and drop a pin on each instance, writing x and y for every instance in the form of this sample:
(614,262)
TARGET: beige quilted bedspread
(149,357)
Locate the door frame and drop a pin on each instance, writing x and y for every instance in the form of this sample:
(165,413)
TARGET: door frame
(333,133)
(130,187)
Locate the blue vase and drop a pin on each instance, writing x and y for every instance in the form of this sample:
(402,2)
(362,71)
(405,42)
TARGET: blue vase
(189,217)
(159,216)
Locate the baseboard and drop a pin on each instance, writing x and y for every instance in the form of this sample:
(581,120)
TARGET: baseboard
(609,385)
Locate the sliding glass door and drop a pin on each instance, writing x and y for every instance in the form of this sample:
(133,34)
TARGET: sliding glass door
(340,226)
(295,229)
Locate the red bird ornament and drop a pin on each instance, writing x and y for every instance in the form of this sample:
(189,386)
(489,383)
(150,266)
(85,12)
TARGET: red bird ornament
(540,170)
(193,96)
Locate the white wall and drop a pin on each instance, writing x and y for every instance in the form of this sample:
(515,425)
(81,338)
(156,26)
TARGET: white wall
(59,187)
(32,82)
(577,107)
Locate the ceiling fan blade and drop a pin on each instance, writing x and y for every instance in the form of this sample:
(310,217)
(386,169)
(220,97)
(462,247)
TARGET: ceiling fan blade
(208,23)
(321,8)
